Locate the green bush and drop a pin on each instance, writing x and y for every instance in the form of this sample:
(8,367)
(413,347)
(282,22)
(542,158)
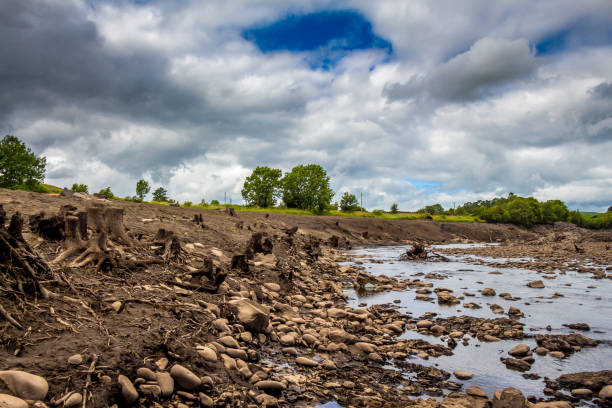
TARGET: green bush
(214,202)
(80,188)
(394,208)
(349,203)
(187,204)
(377,213)
(107,193)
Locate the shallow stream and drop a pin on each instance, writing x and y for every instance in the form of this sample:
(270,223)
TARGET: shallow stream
(584,300)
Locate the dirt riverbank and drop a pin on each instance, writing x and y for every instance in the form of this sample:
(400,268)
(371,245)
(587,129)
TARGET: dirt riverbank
(250,310)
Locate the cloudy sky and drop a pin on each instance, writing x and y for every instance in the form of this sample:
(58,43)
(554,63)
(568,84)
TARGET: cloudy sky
(414,102)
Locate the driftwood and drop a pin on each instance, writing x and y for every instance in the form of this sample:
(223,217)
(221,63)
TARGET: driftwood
(417,252)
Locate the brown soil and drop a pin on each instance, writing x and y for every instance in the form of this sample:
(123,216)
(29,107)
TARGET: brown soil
(162,317)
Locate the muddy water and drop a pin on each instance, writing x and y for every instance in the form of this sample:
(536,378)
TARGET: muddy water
(584,300)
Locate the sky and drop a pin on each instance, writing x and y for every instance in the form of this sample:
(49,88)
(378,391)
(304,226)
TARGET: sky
(410,102)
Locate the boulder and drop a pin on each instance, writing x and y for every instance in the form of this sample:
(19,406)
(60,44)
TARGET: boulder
(606,392)
(253,316)
(25,385)
(509,398)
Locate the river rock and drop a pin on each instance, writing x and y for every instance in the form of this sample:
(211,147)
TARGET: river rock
(476,391)
(536,284)
(166,383)
(8,401)
(150,390)
(306,362)
(593,380)
(75,400)
(509,398)
(25,385)
(208,354)
(270,385)
(488,292)
(185,378)
(424,324)
(229,341)
(553,404)
(274,287)
(252,315)
(519,350)
(146,373)
(206,401)
(582,393)
(366,347)
(463,375)
(221,325)
(128,391)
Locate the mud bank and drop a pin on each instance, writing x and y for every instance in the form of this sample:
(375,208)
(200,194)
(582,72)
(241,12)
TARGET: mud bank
(227,310)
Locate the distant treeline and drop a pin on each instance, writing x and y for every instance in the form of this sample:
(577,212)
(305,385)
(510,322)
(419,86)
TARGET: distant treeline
(526,211)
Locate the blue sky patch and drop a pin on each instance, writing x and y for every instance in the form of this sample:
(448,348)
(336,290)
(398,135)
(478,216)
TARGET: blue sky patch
(327,35)
(582,33)
(421,184)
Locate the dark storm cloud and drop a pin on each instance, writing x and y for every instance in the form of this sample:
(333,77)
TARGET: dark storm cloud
(489,65)
(602,91)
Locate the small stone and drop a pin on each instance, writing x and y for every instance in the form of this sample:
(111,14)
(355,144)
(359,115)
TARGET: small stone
(75,359)
(166,383)
(150,390)
(556,354)
(270,385)
(348,384)
(185,378)
(536,284)
(146,373)
(287,340)
(488,337)
(116,306)
(74,400)
(8,401)
(162,363)
(606,392)
(463,375)
(274,287)
(229,341)
(424,324)
(208,354)
(221,325)
(583,393)
(475,391)
(25,385)
(128,392)
(488,292)
(205,400)
(541,351)
(508,398)
(306,362)
(375,357)
(519,350)
(290,350)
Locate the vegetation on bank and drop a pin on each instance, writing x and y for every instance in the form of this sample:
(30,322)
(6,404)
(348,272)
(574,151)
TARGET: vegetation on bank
(305,190)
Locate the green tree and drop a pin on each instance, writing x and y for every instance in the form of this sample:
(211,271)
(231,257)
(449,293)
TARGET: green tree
(214,202)
(80,188)
(307,187)
(431,209)
(610,209)
(261,188)
(19,167)
(142,189)
(161,195)
(349,202)
(394,208)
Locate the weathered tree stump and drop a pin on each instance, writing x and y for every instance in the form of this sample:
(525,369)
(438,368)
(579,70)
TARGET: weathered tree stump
(169,246)
(2,216)
(258,243)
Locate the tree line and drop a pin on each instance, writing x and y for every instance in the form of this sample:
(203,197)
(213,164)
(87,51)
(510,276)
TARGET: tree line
(305,187)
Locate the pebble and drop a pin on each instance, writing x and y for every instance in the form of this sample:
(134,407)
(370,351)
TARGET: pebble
(116,306)
(229,341)
(270,385)
(162,363)
(306,362)
(205,400)
(463,375)
(208,354)
(606,392)
(75,400)
(274,287)
(536,284)
(556,354)
(166,383)
(475,391)
(75,359)
(185,378)
(25,385)
(541,351)
(8,401)
(582,393)
(488,292)
(424,324)
(519,350)
(150,390)
(128,392)
(146,373)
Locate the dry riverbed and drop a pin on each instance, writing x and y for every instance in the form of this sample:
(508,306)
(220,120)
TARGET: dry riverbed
(251,309)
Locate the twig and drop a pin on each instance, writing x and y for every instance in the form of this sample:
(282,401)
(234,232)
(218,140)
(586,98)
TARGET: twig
(92,368)
(10,318)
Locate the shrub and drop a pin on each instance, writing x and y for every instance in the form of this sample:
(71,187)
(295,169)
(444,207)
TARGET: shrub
(377,213)
(80,188)
(214,202)
(394,208)
(106,192)
(161,195)
(187,204)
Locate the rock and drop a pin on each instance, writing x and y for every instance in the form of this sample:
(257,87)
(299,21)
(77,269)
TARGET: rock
(375,357)
(128,392)
(606,392)
(221,325)
(8,401)
(582,393)
(75,359)
(185,378)
(206,401)
(229,341)
(488,337)
(208,354)
(274,287)
(251,315)
(150,390)
(516,364)
(578,326)
(553,404)
(593,380)
(306,362)
(25,385)
(166,383)
(287,339)
(488,292)
(520,350)
(162,363)
(509,398)
(476,391)
(340,336)
(366,347)
(463,375)
(556,354)
(146,373)
(270,385)
(117,305)
(424,324)
(75,400)
(536,284)
(541,351)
